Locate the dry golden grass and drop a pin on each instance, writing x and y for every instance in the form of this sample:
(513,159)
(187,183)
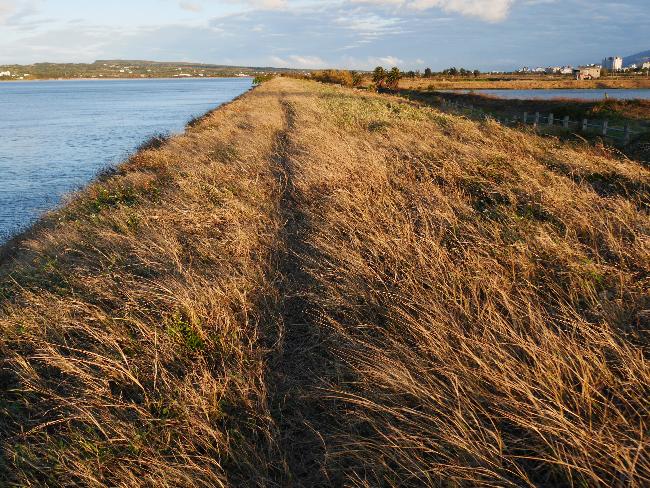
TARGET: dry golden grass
(317,287)
(130,323)
(525,83)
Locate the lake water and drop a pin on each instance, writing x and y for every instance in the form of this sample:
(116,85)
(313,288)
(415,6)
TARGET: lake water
(595,94)
(56,135)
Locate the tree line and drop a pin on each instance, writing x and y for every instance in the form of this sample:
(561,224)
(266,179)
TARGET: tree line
(381,78)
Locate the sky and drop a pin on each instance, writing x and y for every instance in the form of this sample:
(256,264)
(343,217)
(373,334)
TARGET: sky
(353,34)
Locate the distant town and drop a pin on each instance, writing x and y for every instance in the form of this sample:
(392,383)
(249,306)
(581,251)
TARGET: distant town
(611,64)
(108,69)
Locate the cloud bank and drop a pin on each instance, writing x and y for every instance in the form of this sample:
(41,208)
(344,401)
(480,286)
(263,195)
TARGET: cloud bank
(489,10)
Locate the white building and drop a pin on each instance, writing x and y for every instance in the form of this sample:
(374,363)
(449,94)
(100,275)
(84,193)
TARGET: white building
(566,70)
(613,63)
(5,73)
(646,65)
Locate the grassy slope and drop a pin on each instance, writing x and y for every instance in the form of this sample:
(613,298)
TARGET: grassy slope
(618,111)
(322,287)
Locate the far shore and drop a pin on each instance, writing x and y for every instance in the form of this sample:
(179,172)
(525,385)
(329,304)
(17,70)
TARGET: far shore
(128,78)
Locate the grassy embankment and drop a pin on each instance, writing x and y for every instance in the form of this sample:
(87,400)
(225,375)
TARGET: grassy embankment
(635,113)
(322,287)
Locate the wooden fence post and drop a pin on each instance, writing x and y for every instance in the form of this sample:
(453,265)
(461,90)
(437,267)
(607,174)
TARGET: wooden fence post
(605,127)
(566,122)
(551,119)
(585,123)
(626,136)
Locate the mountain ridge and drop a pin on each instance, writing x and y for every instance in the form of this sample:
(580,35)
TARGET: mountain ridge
(638,58)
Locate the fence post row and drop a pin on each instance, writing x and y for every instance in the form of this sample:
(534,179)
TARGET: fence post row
(453,104)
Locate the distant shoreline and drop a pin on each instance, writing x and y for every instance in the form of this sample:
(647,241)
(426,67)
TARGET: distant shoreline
(132,78)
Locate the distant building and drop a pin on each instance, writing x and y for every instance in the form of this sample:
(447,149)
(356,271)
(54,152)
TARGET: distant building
(566,70)
(613,63)
(587,72)
(646,65)
(5,73)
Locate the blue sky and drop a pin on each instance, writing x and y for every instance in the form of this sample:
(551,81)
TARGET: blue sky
(411,34)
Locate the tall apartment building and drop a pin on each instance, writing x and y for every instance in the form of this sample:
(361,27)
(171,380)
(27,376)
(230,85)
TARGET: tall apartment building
(614,63)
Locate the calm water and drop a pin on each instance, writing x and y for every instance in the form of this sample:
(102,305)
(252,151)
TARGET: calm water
(55,136)
(596,94)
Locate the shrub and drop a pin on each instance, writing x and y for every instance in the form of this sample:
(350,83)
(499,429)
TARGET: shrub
(259,79)
(337,77)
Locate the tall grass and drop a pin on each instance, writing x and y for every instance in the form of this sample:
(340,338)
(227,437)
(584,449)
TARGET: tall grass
(129,320)
(487,291)
(322,288)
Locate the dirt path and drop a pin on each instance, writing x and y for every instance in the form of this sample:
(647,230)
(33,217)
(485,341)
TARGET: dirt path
(297,372)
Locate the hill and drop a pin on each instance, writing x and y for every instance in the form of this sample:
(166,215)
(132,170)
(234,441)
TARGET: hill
(132,69)
(638,59)
(317,286)
(193,65)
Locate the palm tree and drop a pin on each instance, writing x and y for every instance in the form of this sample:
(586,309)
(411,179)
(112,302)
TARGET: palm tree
(379,76)
(392,80)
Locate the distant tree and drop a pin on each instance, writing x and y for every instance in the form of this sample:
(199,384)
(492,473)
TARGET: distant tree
(379,76)
(357,78)
(411,74)
(392,79)
(427,73)
(477,73)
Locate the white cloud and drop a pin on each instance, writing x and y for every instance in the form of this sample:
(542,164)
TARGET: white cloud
(391,61)
(190,6)
(490,10)
(296,61)
(263,4)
